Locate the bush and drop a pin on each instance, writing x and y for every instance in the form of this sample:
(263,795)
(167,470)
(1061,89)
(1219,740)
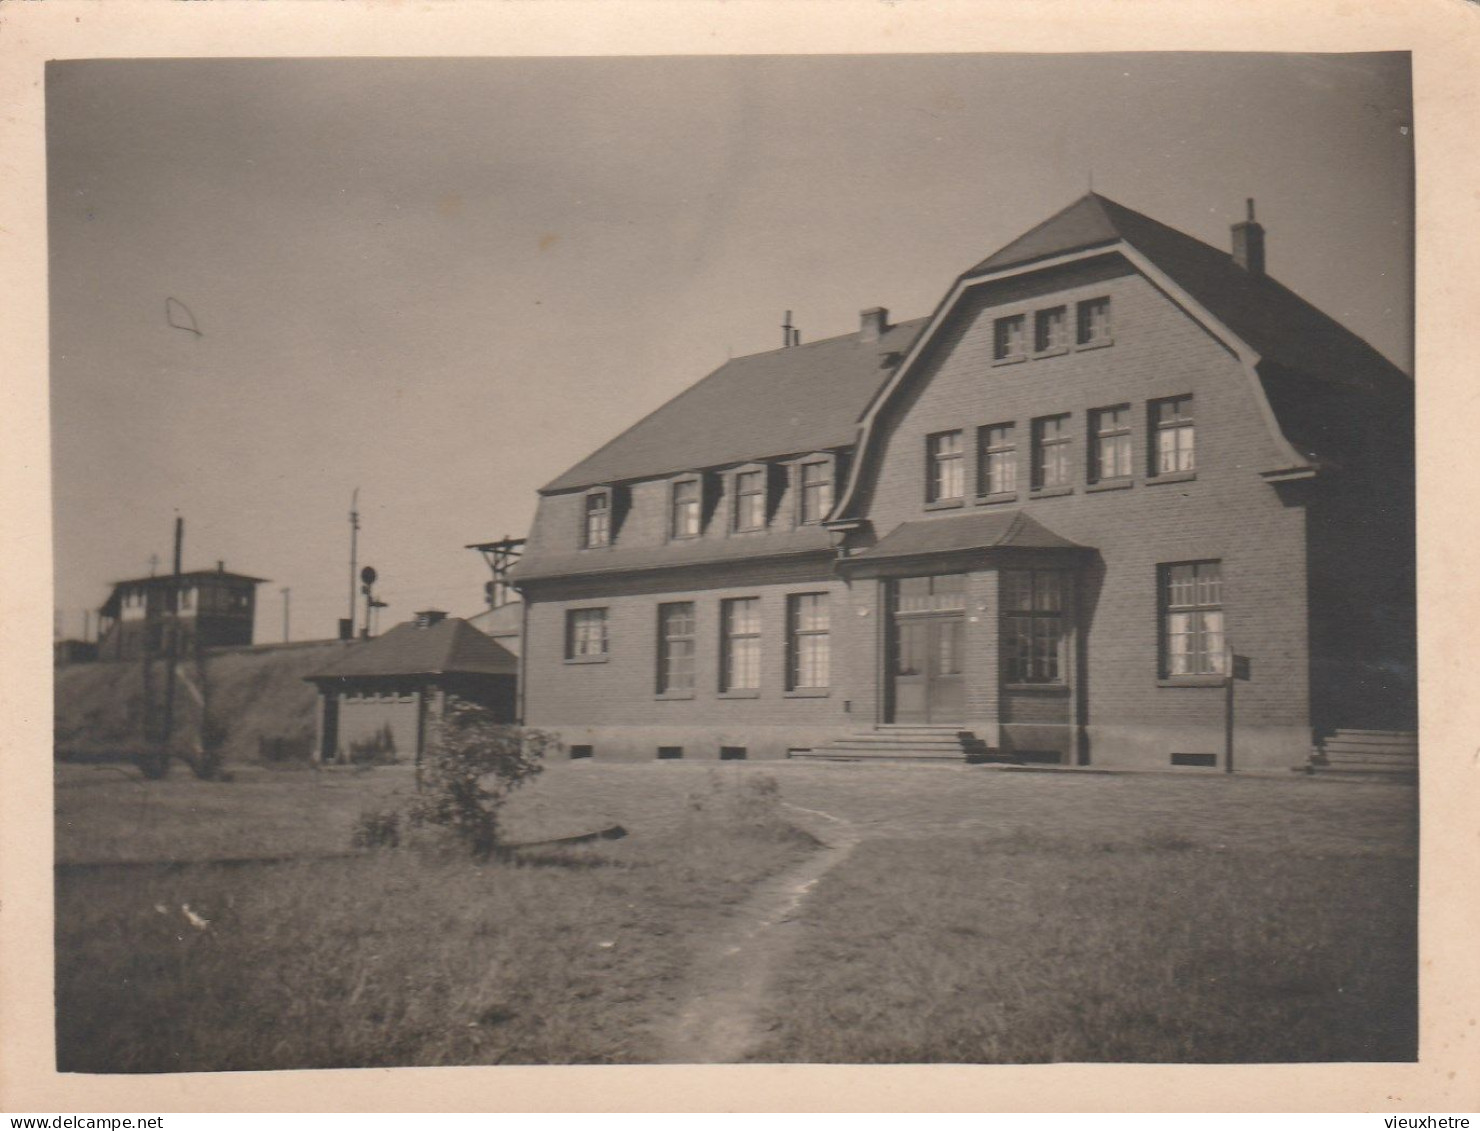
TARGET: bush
(285,747)
(471,764)
(377,750)
(377,828)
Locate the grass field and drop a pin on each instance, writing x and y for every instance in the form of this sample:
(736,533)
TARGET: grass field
(1038,948)
(396,958)
(984,916)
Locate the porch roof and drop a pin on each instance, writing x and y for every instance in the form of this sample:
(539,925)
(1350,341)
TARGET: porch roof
(989,530)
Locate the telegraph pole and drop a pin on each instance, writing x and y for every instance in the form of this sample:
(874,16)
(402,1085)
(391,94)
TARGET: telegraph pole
(354,545)
(285,591)
(172,606)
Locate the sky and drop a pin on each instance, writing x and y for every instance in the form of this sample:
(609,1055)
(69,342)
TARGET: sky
(444,281)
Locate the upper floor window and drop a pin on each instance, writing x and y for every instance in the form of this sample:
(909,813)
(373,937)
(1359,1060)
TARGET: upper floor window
(1033,625)
(947,467)
(740,650)
(1110,440)
(816,491)
(1093,323)
(1051,452)
(750,500)
(1008,337)
(585,634)
(1051,330)
(1192,619)
(597,530)
(1174,436)
(686,503)
(676,647)
(996,460)
(808,642)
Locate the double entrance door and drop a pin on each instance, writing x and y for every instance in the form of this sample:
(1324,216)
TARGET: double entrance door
(927,680)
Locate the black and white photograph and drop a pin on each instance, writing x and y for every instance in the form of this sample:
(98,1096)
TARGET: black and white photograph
(733,559)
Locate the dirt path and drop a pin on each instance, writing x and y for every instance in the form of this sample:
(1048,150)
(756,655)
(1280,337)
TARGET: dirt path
(718,1022)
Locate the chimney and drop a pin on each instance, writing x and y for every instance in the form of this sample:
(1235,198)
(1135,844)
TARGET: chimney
(220,567)
(872,323)
(428,617)
(1248,243)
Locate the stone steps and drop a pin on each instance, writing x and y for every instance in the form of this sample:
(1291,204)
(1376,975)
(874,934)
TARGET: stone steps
(899,743)
(1368,752)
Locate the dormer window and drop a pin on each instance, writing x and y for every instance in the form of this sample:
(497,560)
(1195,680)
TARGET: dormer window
(597,529)
(685,509)
(1093,322)
(750,500)
(816,489)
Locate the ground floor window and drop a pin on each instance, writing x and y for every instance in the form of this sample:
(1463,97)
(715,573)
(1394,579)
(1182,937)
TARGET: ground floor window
(808,641)
(676,647)
(1033,625)
(740,653)
(585,633)
(1191,619)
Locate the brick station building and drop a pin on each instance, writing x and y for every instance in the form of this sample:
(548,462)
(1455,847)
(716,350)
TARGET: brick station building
(1036,526)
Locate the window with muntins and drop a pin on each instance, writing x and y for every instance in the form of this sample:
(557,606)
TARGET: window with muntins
(686,508)
(585,633)
(809,642)
(750,500)
(740,645)
(996,460)
(1008,337)
(816,491)
(1033,625)
(676,647)
(1174,436)
(947,467)
(1051,452)
(1192,619)
(1092,322)
(598,524)
(1051,330)
(1110,439)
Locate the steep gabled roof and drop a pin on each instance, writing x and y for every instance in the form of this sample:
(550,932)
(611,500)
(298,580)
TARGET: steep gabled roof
(449,646)
(784,402)
(1273,320)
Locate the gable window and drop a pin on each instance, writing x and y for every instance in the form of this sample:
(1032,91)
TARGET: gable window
(597,530)
(1092,324)
(585,634)
(685,521)
(740,644)
(946,473)
(1110,442)
(750,500)
(1009,338)
(808,642)
(1051,452)
(996,460)
(816,491)
(1051,330)
(1191,619)
(1174,436)
(1033,625)
(676,648)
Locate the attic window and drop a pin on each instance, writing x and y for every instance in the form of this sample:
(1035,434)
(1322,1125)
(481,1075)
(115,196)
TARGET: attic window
(597,530)
(1009,338)
(750,500)
(686,503)
(816,490)
(1093,323)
